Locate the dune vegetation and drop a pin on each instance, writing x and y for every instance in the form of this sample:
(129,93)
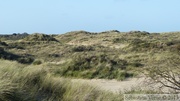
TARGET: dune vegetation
(38,67)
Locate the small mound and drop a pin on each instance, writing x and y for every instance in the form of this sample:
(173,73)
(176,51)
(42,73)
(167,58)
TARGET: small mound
(110,31)
(14,36)
(39,37)
(1,50)
(138,33)
(3,43)
(26,59)
(80,32)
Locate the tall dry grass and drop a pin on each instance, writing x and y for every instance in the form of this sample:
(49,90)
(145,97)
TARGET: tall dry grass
(34,83)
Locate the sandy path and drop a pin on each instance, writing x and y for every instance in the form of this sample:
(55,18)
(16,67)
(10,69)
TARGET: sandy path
(114,85)
(122,86)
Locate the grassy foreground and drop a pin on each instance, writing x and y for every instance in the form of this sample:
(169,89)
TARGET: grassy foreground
(34,83)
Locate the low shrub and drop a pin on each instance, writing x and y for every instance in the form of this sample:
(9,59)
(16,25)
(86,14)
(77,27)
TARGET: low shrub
(37,62)
(54,55)
(136,64)
(138,33)
(93,66)
(3,43)
(25,60)
(119,40)
(39,37)
(82,48)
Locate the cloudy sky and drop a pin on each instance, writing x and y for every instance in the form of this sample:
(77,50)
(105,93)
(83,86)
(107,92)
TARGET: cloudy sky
(60,16)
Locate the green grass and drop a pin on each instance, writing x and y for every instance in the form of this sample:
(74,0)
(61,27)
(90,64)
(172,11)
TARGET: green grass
(95,66)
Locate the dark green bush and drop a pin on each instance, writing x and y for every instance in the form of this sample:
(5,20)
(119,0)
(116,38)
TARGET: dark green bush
(37,62)
(119,40)
(54,55)
(142,45)
(82,48)
(25,60)
(124,74)
(15,36)
(136,64)
(8,55)
(16,45)
(1,50)
(3,43)
(139,33)
(175,42)
(93,66)
(39,37)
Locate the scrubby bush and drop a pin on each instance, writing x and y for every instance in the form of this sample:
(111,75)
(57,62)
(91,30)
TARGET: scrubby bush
(138,33)
(143,45)
(14,36)
(1,50)
(93,66)
(3,43)
(25,60)
(37,62)
(119,40)
(173,45)
(7,55)
(82,48)
(10,56)
(136,64)
(174,42)
(39,37)
(54,55)
(81,32)
(17,45)
(110,31)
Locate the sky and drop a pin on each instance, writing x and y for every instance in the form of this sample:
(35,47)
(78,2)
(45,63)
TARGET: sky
(61,16)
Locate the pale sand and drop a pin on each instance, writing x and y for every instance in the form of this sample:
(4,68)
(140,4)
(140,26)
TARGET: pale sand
(119,86)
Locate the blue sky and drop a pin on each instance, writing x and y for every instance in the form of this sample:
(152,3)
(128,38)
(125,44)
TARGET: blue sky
(60,16)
